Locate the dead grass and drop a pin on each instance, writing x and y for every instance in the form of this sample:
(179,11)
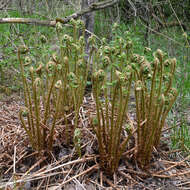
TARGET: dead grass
(23,168)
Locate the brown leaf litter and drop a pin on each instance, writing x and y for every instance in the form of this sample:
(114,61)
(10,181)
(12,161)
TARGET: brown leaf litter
(22,168)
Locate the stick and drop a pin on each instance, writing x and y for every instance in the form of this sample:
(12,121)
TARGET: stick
(80,174)
(52,23)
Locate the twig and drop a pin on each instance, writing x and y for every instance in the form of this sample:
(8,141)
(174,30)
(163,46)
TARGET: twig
(52,23)
(99,185)
(14,161)
(173,175)
(36,164)
(127,176)
(101,178)
(182,184)
(129,151)
(143,174)
(39,186)
(95,167)
(66,164)
(110,183)
(175,164)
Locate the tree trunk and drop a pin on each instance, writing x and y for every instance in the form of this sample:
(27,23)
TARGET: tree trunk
(89,24)
(88,18)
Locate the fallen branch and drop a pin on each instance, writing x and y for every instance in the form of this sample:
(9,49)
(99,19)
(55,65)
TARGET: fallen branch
(27,21)
(52,23)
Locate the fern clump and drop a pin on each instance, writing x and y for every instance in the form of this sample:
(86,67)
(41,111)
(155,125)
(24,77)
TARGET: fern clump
(54,89)
(154,99)
(112,81)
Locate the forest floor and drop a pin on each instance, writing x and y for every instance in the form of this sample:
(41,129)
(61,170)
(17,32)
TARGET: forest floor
(22,168)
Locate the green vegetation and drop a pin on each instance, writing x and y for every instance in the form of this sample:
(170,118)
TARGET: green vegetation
(154,99)
(58,83)
(54,72)
(176,43)
(112,97)
(12,36)
(61,87)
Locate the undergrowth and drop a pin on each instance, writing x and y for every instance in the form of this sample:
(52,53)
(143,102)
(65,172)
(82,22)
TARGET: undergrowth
(175,43)
(71,81)
(55,88)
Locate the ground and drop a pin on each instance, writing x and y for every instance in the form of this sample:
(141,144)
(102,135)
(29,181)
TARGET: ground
(23,168)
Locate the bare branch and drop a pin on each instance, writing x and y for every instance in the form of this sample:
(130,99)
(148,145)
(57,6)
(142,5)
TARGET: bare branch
(27,21)
(91,8)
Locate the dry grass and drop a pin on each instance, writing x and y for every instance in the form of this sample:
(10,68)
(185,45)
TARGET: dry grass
(21,167)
